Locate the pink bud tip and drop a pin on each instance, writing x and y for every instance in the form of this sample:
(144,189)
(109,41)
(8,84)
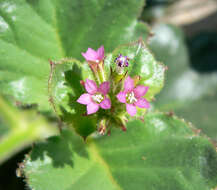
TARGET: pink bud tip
(82,83)
(51,62)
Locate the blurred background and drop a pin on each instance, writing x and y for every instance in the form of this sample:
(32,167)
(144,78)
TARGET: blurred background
(185,39)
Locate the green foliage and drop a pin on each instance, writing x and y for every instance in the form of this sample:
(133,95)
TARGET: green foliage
(142,63)
(20,129)
(190,93)
(32,32)
(162,152)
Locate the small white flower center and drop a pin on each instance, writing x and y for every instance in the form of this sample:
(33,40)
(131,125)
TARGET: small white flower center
(130,97)
(98,98)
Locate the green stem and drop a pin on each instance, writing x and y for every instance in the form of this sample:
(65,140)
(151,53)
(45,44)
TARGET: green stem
(25,128)
(23,135)
(101,73)
(96,77)
(8,114)
(16,140)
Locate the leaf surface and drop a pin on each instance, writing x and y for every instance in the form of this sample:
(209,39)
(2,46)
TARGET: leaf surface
(32,32)
(162,152)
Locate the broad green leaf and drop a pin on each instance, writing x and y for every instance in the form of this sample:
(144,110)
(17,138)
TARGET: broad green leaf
(162,152)
(34,31)
(190,93)
(19,129)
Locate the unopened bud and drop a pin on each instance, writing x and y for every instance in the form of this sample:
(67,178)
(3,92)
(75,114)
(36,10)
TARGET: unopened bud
(51,62)
(82,83)
(102,130)
(102,127)
(121,62)
(124,128)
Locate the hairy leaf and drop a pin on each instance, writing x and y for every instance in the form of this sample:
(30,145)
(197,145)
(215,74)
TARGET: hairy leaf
(162,152)
(34,31)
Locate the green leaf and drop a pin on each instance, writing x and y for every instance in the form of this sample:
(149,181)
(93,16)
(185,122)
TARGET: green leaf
(32,32)
(162,152)
(190,93)
(65,89)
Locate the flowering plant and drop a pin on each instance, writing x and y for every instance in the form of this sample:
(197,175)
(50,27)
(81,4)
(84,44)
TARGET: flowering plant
(100,91)
(115,87)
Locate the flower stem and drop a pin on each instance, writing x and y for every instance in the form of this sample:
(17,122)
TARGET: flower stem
(101,74)
(24,127)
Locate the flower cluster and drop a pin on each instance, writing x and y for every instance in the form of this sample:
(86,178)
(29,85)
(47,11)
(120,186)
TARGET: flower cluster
(103,94)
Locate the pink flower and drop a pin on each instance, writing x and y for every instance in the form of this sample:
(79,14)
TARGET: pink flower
(96,97)
(94,56)
(132,96)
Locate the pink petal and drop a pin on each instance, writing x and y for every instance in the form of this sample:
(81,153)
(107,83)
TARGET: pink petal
(140,90)
(100,53)
(92,107)
(128,84)
(131,109)
(105,104)
(121,97)
(90,55)
(84,99)
(90,86)
(104,88)
(142,103)
(85,56)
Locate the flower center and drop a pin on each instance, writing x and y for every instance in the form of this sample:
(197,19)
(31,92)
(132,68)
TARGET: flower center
(98,98)
(130,97)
